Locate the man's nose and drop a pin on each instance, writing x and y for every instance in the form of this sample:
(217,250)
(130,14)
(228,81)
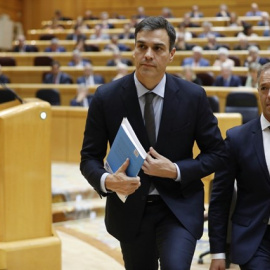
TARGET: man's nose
(149,53)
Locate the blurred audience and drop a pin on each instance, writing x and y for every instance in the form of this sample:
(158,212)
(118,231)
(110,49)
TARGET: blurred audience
(140,13)
(227,78)
(265,19)
(187,22)
(122,70)
(223,11)
(196,60)
(83,98)
(251,80)
(254,57)
(255,11)
(88,15)
(181,29)
(223,58)
(207,29)
(89,78)
(77,60)
(166,13)
(127,34)
(180,43)
(54,46)
(104,17)
(83,47)
(247,31)
(21,46)
(212,43)
(77,34)
(189,75)
(234,20)
(115,45)
(195,12)
(118,59)
(56,76)
(243,43)
(99,33)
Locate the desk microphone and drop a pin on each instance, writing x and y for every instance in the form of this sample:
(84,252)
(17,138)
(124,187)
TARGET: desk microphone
(10,90)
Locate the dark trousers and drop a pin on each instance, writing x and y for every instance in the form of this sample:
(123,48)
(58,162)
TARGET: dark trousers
(261,259)
(162,239)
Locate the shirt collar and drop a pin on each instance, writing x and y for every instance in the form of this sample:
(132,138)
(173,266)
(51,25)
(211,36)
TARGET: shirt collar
(158,90)
(264,122)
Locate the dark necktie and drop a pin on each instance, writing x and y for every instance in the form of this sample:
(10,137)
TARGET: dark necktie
(149,118)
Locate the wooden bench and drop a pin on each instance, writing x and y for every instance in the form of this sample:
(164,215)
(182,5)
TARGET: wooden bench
(68,91)
(101,58)
(31,74)
(262,42)
(61,34)
(118,23)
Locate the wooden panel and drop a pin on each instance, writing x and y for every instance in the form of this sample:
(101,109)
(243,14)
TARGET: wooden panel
(13,8)
(25,209)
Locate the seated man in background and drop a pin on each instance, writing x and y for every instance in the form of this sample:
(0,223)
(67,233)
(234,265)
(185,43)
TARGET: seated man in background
(189,75)
(22,47)
(254,56)
(117,58)
(252,80)
(82,99)
(196,60)
(223,57)
(54,46)
(116,45)
(56,76)
(226,77)
(77,60)
(76,34)
(127,34)
(89,78)
(3,78)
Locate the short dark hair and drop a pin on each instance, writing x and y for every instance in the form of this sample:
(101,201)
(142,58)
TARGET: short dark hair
(263,68)
(155,23)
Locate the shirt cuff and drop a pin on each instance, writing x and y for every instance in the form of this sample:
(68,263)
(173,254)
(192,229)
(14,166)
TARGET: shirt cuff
(178,178)
(218,256)
(102,182)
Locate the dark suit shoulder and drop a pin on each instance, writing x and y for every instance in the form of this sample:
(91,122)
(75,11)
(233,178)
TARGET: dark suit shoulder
(251,125)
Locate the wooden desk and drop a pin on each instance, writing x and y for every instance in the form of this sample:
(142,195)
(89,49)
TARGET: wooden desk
(61,34)
(68,91)
(31,74)
(118,23)
(101,58)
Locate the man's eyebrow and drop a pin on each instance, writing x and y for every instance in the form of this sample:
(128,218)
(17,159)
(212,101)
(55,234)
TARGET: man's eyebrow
(155,44)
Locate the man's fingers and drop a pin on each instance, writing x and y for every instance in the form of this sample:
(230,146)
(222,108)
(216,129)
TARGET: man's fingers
(124,166)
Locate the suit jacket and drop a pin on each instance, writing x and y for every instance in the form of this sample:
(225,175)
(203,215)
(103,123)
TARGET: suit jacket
(64,78)
(234,82)
(249,220)
(189,62)
(186,117)
(4,79)
(26,48)
(59,49)
(98,79)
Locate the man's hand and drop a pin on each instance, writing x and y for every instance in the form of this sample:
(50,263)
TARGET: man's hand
(218,264)
(157,165)
(121,183)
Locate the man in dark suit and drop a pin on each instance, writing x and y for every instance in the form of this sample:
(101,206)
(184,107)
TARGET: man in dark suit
(162,217)
(56,75)
(249,165)
(227,78)
(89,77)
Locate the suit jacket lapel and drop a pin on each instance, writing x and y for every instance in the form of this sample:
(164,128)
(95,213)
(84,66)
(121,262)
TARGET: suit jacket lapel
(258,147)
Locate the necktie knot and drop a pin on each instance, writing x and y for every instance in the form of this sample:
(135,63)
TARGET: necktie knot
(149,97)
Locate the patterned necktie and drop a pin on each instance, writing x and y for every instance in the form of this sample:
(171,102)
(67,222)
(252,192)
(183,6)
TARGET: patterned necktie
(149,118)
